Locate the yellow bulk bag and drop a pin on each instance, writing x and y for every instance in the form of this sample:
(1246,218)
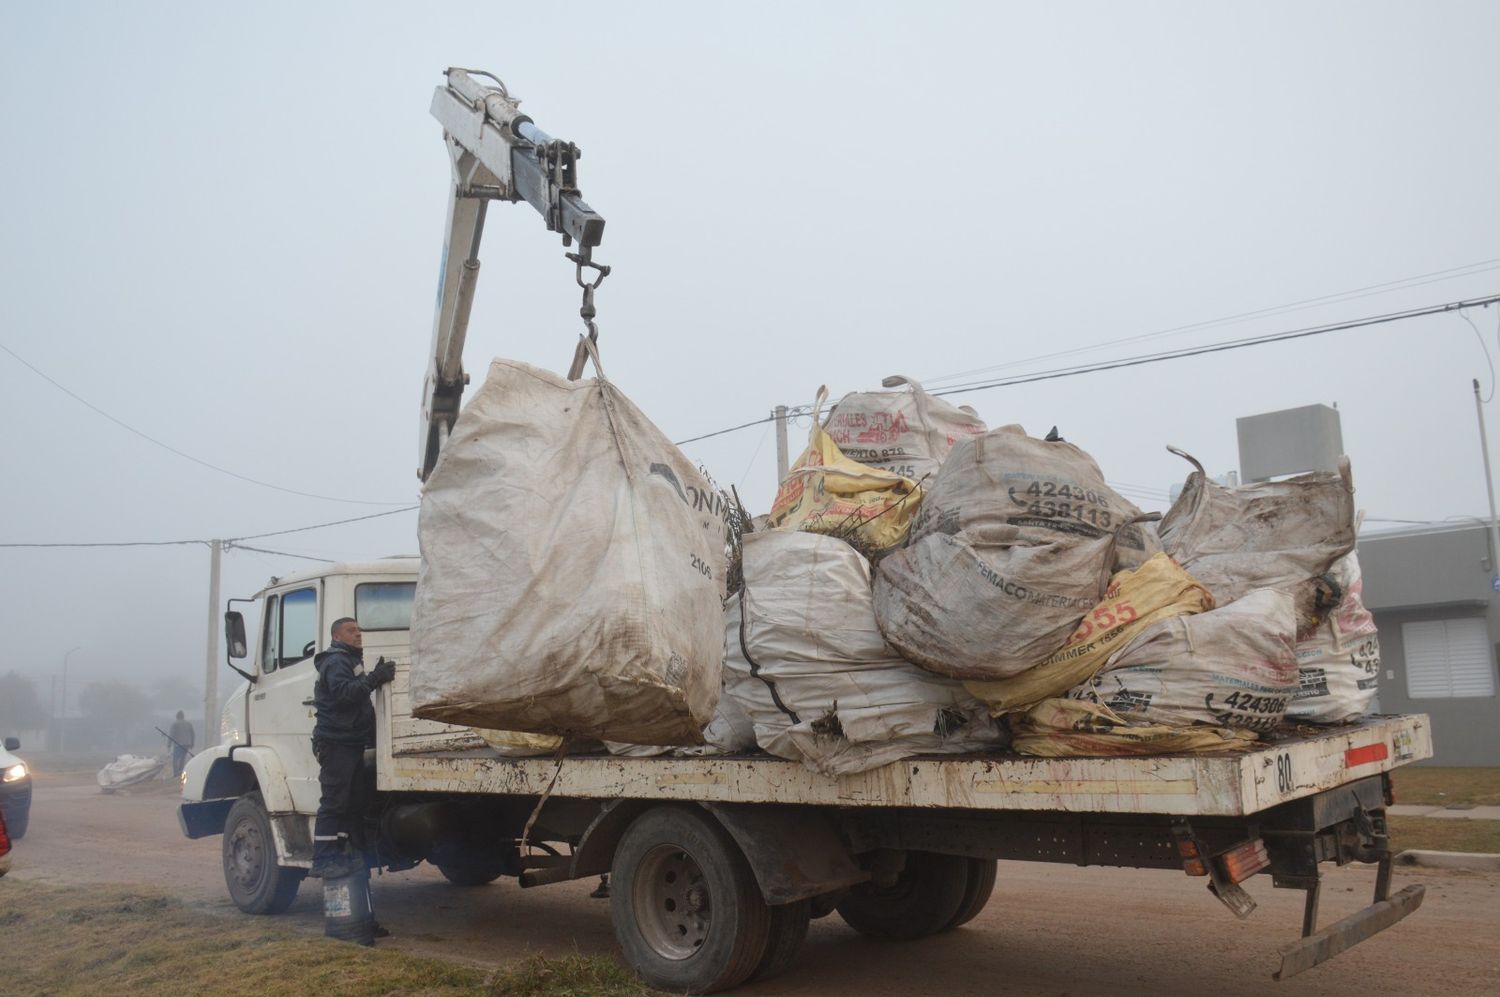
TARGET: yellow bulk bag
(1068,728)
(1157,590)
(826,492)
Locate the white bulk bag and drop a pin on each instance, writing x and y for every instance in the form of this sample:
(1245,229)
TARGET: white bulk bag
(1229,667)
(988,606)
(1339,662)
(905,432)
(1269,534)
(572,569)
(805,659)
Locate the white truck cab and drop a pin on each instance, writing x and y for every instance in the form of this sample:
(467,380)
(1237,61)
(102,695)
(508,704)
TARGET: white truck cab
(265,730)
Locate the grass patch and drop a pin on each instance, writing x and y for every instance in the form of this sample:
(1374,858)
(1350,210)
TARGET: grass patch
(92,940)
(1444,834)
(1440,786)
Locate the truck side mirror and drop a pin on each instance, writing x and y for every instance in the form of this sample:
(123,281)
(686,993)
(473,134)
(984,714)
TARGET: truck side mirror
(234,634)
(12,744)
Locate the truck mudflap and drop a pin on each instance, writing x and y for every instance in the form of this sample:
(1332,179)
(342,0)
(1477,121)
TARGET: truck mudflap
(1320,946)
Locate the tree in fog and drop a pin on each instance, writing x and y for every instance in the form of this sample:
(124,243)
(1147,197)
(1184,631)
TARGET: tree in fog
(19,707)
(119,712)
(171,693)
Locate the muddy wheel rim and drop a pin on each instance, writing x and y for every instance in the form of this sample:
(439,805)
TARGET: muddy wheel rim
(673,908)
(247,855)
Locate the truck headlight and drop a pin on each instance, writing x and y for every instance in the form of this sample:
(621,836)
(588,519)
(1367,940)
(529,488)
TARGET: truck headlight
(14,774)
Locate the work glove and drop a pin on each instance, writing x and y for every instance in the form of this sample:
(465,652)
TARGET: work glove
(382,673)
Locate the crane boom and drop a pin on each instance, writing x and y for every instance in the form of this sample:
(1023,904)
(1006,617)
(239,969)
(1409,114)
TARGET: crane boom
(497,154)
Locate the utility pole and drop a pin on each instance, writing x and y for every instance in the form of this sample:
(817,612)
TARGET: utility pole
(781,458)
(211,677)
(1489,484)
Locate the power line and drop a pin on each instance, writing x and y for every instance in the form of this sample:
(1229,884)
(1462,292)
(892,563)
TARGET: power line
(279,553)
(1236,344)
(1136,361)
(232,541)
(1405,283)
(169,448)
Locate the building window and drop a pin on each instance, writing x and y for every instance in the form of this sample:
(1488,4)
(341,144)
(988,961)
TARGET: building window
(1448,659)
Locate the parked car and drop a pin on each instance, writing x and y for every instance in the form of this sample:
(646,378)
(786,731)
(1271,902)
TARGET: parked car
(15,789)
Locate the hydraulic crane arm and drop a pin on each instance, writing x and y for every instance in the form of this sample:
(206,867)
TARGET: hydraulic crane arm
(498,154)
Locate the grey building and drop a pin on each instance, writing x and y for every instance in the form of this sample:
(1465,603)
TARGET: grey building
(1433,595)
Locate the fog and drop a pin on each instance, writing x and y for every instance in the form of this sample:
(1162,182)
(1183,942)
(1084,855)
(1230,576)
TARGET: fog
(222,231)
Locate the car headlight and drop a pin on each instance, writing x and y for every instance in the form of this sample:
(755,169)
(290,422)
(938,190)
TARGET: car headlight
(14,774)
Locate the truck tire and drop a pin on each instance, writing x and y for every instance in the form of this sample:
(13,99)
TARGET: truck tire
(922,901)
(687,912)
(977,890)
(788,932)
(257,883)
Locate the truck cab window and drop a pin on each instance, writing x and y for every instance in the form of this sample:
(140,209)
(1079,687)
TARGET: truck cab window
(384,605)
(270,635)
(299,625)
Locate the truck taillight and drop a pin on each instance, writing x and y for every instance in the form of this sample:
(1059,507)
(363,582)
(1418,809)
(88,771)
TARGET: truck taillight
(1244,861)
(1192,862)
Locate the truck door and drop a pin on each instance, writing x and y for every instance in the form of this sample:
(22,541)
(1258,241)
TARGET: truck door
(281,703)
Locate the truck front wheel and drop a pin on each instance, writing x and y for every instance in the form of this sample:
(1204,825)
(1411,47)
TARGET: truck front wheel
(257,883)
(687,911)
(924,899)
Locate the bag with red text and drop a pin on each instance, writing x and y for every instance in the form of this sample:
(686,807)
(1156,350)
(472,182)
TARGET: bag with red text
(905,432)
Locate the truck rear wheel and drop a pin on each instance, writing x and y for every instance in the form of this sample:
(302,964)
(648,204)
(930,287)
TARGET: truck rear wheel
(257,883)
(923,901)
(788,932)
(687,911)
(977,889)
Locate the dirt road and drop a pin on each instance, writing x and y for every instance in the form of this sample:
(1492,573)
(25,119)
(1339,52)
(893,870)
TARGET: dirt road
(1048,930)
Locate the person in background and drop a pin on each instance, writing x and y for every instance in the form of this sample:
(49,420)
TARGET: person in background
(182,743)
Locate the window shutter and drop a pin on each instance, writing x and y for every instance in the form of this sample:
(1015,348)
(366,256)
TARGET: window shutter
(1448,659)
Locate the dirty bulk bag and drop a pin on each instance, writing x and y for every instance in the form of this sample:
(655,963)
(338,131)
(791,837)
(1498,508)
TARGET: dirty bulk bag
(1007,478)
(905,432)
(572,569)
(1230,667)
(992,605)
(1134,600)
(1338,662)
(805,659)
(1269,534)
(826,492)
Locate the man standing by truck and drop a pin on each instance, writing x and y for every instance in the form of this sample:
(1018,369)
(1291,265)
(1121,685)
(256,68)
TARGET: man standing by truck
(345,727)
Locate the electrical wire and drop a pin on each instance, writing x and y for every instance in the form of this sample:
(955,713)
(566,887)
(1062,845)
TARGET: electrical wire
(1487,358)
(1420,280)
(1235,344)
(278,553)
(228,541)
(1192,351)
(171,449)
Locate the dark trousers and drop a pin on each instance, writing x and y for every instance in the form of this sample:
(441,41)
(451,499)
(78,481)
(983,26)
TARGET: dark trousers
(179,759)
(346,795)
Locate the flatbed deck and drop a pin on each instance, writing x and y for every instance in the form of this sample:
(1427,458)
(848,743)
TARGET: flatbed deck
(1237,784)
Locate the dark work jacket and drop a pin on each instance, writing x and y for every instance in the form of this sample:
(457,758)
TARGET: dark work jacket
(342,698)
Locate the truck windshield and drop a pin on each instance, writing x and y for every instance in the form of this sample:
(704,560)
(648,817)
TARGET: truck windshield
(384,605)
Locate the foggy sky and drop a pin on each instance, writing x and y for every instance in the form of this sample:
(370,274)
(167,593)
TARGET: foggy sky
(222,226)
